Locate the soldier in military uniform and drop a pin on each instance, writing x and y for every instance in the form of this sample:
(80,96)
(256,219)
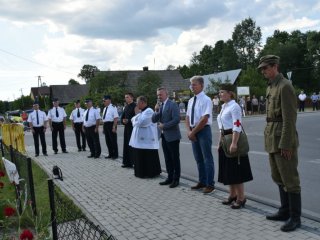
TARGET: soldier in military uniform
(281,142)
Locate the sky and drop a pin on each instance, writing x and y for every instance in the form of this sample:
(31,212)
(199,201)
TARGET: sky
(53,39)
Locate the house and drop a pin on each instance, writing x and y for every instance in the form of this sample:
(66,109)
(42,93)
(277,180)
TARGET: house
(43,91)
(68,93)
(171,79)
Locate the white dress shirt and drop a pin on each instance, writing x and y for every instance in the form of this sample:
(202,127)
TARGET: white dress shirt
(230,116)
(203,107)
(74,115)
(92,118)
(53,117)
(32,118)
(111,114)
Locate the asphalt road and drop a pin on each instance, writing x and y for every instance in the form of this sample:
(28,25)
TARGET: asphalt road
(261,188)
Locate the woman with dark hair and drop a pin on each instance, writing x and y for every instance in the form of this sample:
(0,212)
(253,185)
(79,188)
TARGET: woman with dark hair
(232,171)
(145,142)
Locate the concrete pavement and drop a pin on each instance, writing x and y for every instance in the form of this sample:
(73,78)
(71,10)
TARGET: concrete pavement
(133,208)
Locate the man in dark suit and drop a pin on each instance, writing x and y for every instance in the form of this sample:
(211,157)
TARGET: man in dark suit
(168,117)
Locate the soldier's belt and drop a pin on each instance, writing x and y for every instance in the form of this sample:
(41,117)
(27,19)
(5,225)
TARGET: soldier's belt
(274,119)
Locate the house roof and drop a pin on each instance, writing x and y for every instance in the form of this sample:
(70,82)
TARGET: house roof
(40,91)
(68,93)
(230,76)
(171,79)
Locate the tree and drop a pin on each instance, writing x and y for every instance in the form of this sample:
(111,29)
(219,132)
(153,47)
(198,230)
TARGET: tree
(171,67)
(88,72)
(147,86)
(246,39)
(73,82)
(252,78)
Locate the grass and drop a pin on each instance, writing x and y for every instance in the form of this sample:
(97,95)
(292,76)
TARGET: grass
(41,222)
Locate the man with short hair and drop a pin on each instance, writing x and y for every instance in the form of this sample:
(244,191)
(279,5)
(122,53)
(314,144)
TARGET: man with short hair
(91,122)
(76,118)
(198,124)
(128,114)
(168,118)
(38,124)
(57,121)
(302,98)
(110,121)
(281,142)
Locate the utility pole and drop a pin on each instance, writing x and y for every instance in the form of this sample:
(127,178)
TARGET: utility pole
(40,85)
(22,98)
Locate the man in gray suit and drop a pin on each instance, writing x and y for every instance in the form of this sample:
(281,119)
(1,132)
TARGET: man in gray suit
(168,117)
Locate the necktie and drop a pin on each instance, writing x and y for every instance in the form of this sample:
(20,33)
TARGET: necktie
(57,113)
(37,117)
(87,115)
(192,109)
(161,109)
(78,113)
(105,112)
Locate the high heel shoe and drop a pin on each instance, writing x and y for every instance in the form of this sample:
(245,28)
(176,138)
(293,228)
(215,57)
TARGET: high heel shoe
(229,200)
(239,204)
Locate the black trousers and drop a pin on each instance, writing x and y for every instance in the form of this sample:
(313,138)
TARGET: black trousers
(171,154)
(58,128)
(93,141)
(111,139)
(38,132)
(127,150)
(79,133)
(301,106)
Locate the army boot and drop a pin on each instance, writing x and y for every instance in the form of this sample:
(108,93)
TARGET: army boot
(283,212)
(295,213)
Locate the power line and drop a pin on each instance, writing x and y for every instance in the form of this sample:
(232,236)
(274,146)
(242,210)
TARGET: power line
(31,61)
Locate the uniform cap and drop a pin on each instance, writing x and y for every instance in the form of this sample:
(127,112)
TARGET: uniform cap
(227,87)
(106,97)
(88,100)
(267,60)
(55,100)
(35,103)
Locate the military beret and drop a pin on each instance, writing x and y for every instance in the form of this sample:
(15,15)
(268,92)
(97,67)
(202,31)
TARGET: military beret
(227,87)
(106,97)
(267,60)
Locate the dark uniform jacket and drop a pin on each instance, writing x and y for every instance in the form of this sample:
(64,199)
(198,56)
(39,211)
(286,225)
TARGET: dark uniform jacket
(281,109)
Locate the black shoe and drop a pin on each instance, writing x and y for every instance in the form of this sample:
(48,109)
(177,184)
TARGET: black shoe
(278,216)
(114,157)
(108,156)
(229,200)
(239,204)
(291,225)
(166,182)
(37,155)
(79,150)
(84,149)
(55,152)
(65,151)
(96,156)
(126,166)
(90,156)
(174,184)
(45,154)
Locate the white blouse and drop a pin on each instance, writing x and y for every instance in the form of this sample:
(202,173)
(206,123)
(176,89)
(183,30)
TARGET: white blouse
(230,117)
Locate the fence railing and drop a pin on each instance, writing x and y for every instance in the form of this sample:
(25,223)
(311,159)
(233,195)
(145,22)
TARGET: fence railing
(24,168)
(68,223)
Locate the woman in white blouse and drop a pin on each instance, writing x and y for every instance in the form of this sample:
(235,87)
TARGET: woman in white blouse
(232,171)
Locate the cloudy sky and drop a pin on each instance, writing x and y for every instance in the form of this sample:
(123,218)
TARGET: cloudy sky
(55,38)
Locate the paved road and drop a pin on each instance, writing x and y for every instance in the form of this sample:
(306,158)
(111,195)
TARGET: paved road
(262,187)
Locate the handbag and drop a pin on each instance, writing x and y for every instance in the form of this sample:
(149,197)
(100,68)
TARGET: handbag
(243,144)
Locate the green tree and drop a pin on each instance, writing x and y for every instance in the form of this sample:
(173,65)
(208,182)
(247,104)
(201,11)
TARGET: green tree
(73,82)
(88,72)
(246,39)
(252,78)
(147,86)
(170,67)
(2,107)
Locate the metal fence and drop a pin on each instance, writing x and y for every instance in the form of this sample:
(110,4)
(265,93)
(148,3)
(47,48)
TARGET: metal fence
(68,223)
(25,189)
